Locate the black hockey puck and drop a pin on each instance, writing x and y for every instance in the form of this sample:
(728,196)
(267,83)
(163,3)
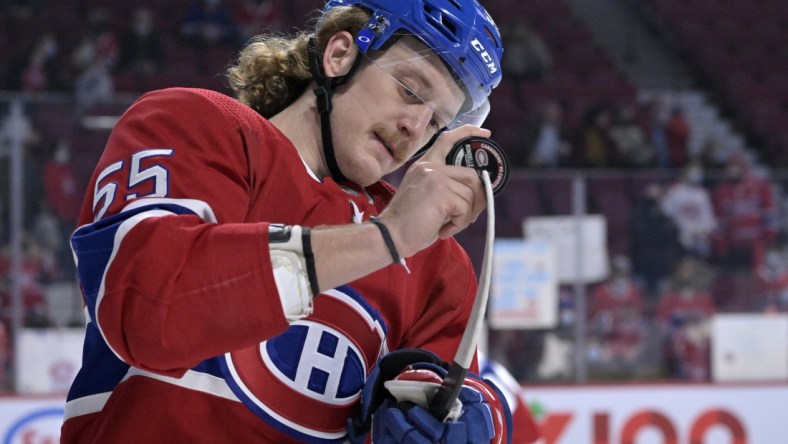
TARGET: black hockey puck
(482,154)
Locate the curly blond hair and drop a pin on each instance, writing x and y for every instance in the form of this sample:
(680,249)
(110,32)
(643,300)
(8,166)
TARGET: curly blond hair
(273,70)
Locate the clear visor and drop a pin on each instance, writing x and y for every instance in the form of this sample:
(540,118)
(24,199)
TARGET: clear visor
(423,77)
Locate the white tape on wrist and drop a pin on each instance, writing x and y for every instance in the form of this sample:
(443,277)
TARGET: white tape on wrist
(290,269)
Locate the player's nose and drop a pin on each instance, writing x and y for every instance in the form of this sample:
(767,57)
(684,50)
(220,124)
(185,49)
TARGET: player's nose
(415,121)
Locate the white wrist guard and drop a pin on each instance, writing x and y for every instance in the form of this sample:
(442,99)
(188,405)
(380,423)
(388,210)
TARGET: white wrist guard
(293,267)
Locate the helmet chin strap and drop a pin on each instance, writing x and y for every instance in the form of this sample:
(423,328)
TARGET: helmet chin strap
(324,92)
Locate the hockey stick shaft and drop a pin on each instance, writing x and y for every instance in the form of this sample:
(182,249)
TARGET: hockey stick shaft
(447,393)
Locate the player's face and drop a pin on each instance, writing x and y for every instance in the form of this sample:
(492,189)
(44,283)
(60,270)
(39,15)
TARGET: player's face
(392,107)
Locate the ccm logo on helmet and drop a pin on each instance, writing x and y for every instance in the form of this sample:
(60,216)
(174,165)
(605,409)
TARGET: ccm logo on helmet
(477,45)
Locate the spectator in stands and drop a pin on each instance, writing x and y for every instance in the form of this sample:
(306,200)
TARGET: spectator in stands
(596,148)
(93,59)
(141,47)
(687,293)
(257,16)
(48,232)
(98,42)
(772,275)
(659,110)
(677,132)
(687,349)
(41,72)
(94,85)
(688,203)
(655,246)
(545,141)
(38,268)
(62,198)
(746,208)
(62,190)
(616,317)
(712,156)
(630,138)
(684,310)
(527,54)
(616,295)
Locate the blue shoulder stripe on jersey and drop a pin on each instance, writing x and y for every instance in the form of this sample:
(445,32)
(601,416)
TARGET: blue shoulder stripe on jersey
(101,370)
(93,245)
(211,366)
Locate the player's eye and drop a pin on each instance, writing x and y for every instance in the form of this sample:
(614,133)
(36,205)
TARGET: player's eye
(410,94)
(436,122)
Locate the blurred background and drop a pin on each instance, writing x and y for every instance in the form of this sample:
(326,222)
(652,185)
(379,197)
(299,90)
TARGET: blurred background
(643,232)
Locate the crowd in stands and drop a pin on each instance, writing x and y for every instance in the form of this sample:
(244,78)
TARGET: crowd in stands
(691,233)
(684,245)
(737,48)
(95,49)
(575,107)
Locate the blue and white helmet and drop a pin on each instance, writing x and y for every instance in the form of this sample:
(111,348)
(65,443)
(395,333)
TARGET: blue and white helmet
(461,32)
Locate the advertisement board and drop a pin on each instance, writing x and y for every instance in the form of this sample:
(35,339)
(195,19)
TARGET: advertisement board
(581,238)
(524,291)
(626,414)
(749,347)
(662,414)
(48,359)
(31,420)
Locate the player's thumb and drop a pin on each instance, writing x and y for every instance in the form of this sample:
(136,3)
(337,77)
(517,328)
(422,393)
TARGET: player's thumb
(444,140)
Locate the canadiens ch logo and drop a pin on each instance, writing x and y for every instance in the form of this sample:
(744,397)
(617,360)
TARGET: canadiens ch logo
(482,159)
(318,365)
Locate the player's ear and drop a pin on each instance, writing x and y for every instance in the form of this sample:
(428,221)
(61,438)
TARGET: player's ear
(339,54)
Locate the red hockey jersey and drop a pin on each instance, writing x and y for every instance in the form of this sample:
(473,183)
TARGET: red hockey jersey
(747,212)
(186,338)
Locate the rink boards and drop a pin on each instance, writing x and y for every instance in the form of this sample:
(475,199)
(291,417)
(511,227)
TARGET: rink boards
(637,414)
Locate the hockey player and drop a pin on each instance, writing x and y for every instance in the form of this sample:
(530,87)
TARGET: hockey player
(246,272)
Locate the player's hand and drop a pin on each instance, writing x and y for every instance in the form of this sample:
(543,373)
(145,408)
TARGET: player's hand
(397,420)
(435,200)
(407,422)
